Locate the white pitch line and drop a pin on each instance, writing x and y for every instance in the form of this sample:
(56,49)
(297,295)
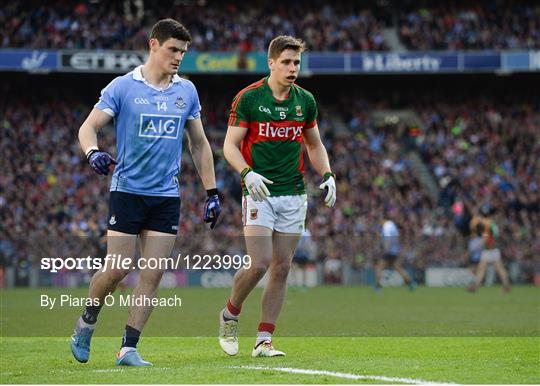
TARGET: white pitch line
(344,375)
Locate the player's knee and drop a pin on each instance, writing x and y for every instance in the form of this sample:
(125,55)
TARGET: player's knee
(117,275)
(259,269)
(151,278)
(281,269)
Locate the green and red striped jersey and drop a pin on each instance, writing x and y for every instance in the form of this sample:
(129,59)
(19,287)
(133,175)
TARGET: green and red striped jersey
(272,145)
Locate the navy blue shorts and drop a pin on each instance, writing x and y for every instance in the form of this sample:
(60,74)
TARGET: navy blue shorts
(390,258)
(300,259)
(131,213)
(473,261)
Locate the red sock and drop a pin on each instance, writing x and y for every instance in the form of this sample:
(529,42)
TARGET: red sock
(266,327)
(234,311)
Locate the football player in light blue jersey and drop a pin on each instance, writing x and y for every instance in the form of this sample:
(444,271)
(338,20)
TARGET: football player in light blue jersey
(391,249)
(150,106)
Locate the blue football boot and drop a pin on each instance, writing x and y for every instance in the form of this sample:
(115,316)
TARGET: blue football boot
(80,343)
(131,358)
(413,285)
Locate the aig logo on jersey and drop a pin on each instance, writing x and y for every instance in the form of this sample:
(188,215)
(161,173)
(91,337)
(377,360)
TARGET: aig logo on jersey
(159,126)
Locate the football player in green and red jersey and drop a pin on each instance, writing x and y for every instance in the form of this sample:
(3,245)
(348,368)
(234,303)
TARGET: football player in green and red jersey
(268,122)
(491,254)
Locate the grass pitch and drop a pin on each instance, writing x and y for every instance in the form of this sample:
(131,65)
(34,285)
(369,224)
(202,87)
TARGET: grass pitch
(356,336)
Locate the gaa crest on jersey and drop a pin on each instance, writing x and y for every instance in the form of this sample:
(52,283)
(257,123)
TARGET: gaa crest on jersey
(180,103)
(298,111)
(253,214)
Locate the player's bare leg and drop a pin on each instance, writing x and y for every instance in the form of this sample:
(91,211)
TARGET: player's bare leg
(402,272)
(259,248)
(480,273)
(273,296)
(503,274)
(154,245)
(119,246)
(405,275)
(379,267)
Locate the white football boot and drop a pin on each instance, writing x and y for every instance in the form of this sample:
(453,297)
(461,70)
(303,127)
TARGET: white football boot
(228,339)
(265,349)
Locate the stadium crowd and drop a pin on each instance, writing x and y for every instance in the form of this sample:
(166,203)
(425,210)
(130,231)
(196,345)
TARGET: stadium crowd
(51,202)
(472,26)
(231,26)
(249,26)
(486,159)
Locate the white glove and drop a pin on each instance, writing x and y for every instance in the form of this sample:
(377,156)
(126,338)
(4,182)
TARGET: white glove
(330,184)
(255,184)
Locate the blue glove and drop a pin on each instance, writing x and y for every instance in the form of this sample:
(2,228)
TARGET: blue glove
(100,161)
(212,208)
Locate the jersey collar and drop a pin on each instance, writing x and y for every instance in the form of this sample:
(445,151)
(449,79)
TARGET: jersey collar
(269,90)
(137,75)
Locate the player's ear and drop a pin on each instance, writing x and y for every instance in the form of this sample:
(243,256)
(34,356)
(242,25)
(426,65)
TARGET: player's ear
(270,63)
(154,44)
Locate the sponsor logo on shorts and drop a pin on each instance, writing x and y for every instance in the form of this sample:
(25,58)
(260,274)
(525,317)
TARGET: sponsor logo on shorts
(174,227)
(159,126)
(253,214)
(112,221)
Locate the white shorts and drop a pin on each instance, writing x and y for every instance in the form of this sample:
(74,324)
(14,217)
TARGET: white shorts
(491,255)
(285,214)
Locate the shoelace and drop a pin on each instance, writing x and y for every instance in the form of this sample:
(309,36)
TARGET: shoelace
(82,335)
(229,329)
(136,353)
(267,344)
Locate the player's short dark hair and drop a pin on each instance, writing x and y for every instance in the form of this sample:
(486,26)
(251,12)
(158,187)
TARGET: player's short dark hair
(169,28)
(284,42)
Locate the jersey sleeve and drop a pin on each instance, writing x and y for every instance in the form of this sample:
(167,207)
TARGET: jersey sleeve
(240,111)
(109,101)
(195,111)
(311,111)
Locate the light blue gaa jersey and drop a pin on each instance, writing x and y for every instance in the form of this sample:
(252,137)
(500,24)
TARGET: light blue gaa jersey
(149,125)
(390,237)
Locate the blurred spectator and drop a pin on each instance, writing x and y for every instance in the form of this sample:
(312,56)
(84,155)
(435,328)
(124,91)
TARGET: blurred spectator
(472,25)
(215,26)
(249,26)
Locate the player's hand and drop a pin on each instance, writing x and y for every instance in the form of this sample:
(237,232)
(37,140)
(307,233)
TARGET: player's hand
(212,208)
(329,182)
(255,184)
(100,161)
